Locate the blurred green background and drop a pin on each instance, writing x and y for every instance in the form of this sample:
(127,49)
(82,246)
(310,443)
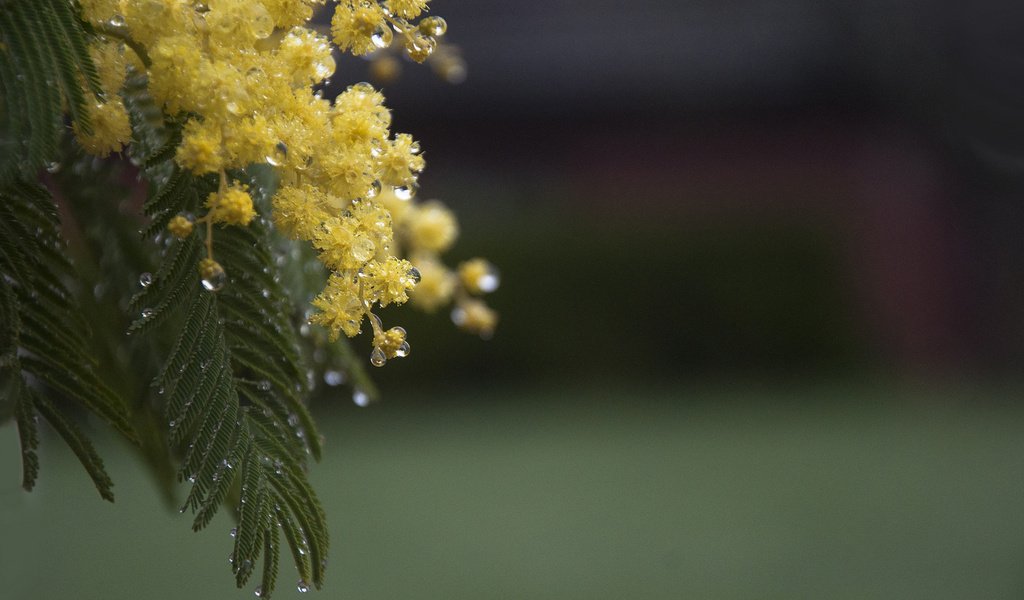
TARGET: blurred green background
(761,327)
(683,492)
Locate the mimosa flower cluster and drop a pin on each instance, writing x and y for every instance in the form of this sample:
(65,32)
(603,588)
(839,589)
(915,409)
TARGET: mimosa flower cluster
(241,74)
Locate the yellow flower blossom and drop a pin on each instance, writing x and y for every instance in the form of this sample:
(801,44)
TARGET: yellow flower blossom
(180,227)
(150,20)
(336,242)
(478,276)
(474,316)
(298,212)
(111,128)
(389,281)
(401,162)
(354,24)
(231,23)
(307,56)
(100,12)
(231,206)
(407,9)
(435,287)
(340,307)
(248,140)
(432,227)
(201,148)
(240,74)
(289,13)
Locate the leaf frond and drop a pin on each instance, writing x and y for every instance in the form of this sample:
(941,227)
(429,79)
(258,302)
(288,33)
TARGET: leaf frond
(44,335)
(44,61)
(233,385)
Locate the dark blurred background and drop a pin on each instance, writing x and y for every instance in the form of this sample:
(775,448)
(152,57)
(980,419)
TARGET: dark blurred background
(784,188)
(761,324)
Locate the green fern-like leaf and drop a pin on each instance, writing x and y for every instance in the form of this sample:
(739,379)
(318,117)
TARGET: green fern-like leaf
(43,339)
(233,386)
(43,59)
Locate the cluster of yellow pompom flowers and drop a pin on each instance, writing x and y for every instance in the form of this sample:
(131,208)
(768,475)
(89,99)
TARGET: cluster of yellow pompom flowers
(242,72)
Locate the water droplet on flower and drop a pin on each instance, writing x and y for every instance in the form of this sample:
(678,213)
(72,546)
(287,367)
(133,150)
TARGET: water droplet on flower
(403,350)
(377,357)
(414,274)
(360,397)
(382,36)
(324,68)
(145,279)
(334,378)
(433,26)
(363,249)
(489,281)
(374,189)
(278,156)
(362,87)
(201,7)
(215,279)
(419,47)
(261,23)
(303,587)
(406,192)
(117,20)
